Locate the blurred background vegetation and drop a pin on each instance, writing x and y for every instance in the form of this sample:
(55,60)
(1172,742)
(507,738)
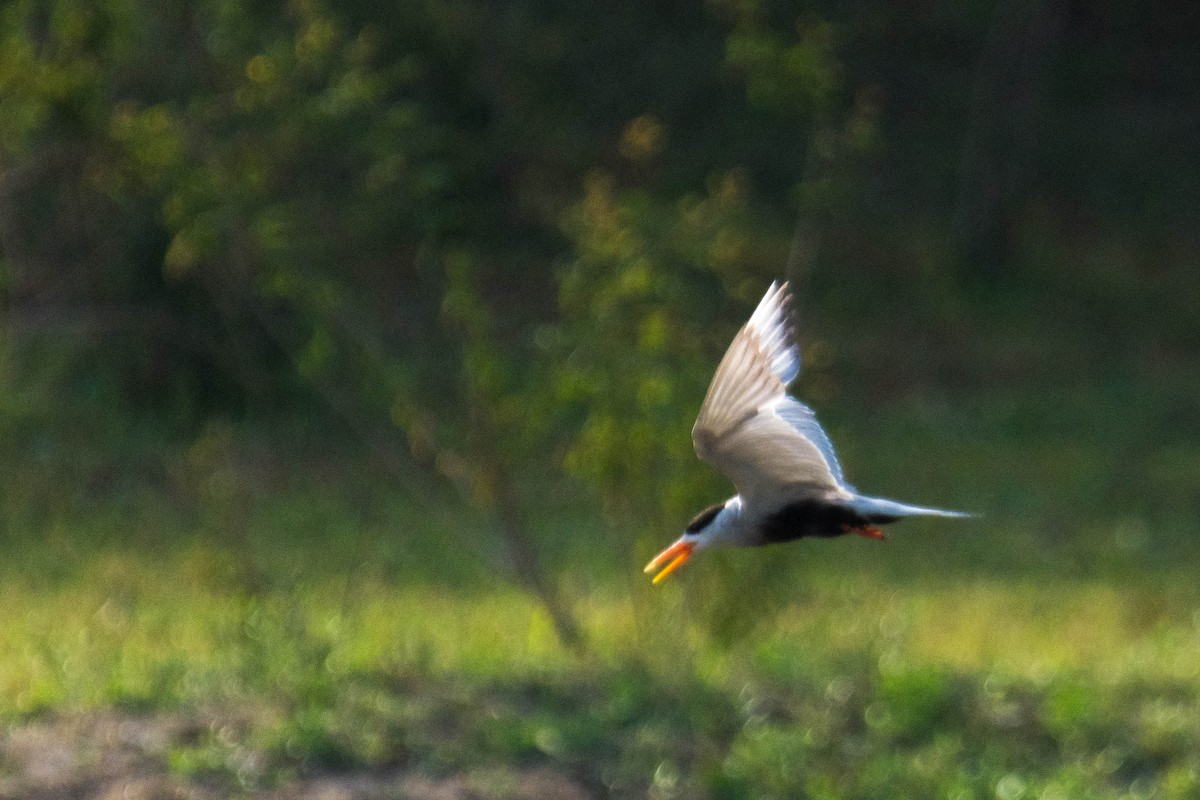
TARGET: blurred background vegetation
(349,354)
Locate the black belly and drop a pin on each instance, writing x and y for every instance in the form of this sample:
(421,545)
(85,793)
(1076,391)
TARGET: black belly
(814,518)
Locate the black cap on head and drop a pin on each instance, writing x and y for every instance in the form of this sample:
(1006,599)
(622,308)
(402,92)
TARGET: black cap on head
(704,518)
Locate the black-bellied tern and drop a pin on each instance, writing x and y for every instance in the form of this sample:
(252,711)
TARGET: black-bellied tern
(788,480)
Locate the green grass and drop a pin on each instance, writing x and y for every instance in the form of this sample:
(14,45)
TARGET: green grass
(869,683)
(870,686)
(312,620)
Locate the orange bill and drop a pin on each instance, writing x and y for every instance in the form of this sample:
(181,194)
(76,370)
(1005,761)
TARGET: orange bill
(673,557)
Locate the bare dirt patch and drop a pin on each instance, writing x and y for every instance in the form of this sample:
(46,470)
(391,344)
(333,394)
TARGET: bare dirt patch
(110,756)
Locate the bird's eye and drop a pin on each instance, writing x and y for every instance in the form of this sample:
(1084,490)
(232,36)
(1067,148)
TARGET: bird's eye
(704,518)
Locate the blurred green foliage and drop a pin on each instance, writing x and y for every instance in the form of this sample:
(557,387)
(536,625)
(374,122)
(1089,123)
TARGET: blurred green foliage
(500,247)
(413,215)
(500,240)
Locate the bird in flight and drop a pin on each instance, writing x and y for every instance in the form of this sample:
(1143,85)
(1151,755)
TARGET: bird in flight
(788,480)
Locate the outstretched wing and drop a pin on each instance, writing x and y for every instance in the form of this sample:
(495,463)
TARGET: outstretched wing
(804,420)
(766,442)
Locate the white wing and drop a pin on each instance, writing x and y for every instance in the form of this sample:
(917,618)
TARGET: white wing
(766,442)
(804,420)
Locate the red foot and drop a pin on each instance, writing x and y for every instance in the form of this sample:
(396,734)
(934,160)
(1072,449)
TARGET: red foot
(868,531)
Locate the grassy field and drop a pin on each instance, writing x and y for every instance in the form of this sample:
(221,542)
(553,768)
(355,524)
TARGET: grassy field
(512,241)
(219,622)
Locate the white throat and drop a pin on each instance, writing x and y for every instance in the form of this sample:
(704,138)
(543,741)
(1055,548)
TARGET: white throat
(728,529)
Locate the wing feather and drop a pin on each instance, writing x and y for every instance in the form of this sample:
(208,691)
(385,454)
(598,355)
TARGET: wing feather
(766,442)
(804,420)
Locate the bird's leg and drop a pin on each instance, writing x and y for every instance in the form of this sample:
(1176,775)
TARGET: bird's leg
(868,531)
